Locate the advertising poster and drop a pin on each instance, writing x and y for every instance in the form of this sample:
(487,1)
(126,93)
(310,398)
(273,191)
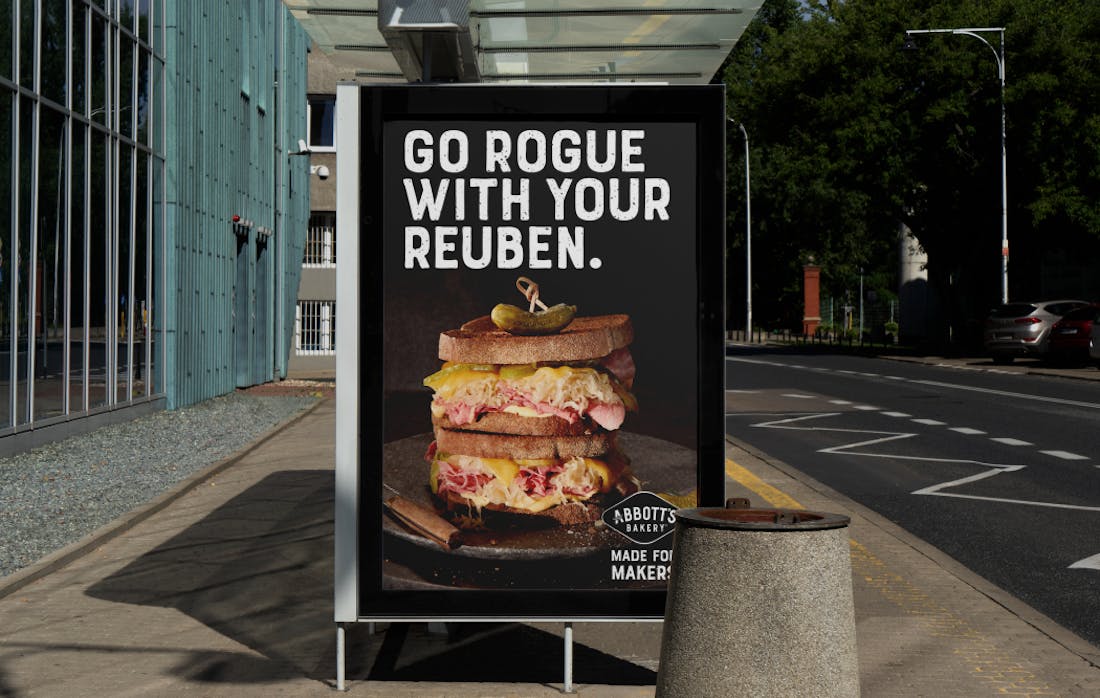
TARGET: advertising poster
(539,352)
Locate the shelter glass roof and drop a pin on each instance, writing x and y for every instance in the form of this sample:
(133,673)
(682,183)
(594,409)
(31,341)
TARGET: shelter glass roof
(675,41)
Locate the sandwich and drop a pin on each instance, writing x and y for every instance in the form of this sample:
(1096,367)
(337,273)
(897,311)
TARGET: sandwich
(528,424)
(574,382)
(564,478)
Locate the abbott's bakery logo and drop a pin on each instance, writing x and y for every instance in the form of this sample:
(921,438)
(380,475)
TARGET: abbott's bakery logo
(643,517)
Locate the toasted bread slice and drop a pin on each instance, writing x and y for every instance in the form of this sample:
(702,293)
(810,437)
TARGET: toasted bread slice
(568,514)
(480,341)
(507,423)
(485,445)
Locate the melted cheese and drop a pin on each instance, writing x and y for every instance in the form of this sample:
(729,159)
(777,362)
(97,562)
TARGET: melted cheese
(561,387)
(505,488)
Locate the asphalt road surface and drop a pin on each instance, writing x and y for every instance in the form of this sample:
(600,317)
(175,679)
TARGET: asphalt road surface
(1000,471)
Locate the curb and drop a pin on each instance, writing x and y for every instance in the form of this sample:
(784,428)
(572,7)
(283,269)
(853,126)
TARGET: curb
(1036,619)
(62,557)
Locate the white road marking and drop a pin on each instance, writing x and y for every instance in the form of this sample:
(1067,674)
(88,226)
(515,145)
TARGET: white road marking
(800,396)
(1065,455)
(897,414)
(743,392)
(930,422)
(1089,563)
(896,378)
(956,386)
(866,408)
(840,402)
(938,490)
(1006,393)
(1007,441)
(967,430)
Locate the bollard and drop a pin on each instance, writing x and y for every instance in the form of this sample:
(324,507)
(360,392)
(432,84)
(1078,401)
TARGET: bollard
(759,604)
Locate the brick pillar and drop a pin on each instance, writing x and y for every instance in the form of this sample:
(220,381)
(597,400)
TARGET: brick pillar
(811,298)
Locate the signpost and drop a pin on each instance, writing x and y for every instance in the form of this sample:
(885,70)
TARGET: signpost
(492,475)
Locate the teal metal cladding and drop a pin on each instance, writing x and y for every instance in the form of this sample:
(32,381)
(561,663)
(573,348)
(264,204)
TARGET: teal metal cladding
(237,199)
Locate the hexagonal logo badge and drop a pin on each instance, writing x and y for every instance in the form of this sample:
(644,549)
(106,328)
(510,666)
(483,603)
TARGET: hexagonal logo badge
(643,517)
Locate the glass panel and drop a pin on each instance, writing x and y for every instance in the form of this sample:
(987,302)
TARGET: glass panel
(126,89)
(143,19)
(77,278)
(143,97)
(79,89)
(155,110)
(141,276)
(99,70)
(157,20)
(5,254)
(49,295)
(26,43)
(125,297)
(153,316)
(25,270)
(53,50)
(125,10)
(6,49)
(322,115)
(99,203)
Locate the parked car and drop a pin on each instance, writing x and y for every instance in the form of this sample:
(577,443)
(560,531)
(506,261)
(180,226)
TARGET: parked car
(1023,329)
(1070,336)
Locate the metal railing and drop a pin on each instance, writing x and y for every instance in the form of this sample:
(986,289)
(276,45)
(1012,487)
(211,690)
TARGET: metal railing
(315,328)
(320,251)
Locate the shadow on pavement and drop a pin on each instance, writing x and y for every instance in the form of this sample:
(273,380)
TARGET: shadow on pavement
(258,570)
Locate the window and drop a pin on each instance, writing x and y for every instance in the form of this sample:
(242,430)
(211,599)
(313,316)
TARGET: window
(315,328)
(321,241)
(322,121)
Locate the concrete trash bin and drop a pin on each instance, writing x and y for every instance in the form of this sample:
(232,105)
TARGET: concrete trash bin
(759,604)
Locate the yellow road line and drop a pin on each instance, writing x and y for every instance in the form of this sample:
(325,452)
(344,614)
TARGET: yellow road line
(771,495)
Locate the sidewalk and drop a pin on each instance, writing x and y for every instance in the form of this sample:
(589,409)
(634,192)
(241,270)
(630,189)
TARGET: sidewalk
(227,591)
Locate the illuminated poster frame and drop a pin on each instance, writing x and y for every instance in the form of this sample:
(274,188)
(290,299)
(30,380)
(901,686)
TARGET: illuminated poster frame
(410,272)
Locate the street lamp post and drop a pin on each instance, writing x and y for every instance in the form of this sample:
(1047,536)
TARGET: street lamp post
(999,56)
(748,237)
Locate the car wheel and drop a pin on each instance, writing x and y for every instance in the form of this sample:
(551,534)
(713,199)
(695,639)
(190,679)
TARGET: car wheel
(1002,359)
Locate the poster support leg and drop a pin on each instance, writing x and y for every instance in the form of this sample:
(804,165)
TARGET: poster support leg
(567,684)
(340,668)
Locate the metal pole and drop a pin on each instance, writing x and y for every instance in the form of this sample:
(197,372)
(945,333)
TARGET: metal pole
(861,305)
(340,666)
(567,686)
(1004,181)
(748,236)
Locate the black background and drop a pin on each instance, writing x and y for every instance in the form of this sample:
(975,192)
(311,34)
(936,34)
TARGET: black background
(647,272)
(682,288)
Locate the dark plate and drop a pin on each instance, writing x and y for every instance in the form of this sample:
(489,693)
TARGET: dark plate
(663,467)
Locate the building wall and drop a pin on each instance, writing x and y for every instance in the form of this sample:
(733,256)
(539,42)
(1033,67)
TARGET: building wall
(313,353)
(82,158)
(130,133)
(235,197)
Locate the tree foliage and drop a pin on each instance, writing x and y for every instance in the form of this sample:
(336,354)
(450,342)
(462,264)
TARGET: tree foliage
(852,137)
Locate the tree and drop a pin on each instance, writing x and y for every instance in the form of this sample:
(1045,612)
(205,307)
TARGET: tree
(852,137)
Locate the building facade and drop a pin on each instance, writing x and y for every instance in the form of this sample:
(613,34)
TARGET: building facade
(314,346)
(132,133)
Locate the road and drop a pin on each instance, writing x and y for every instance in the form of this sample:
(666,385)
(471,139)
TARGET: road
(1001,471)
